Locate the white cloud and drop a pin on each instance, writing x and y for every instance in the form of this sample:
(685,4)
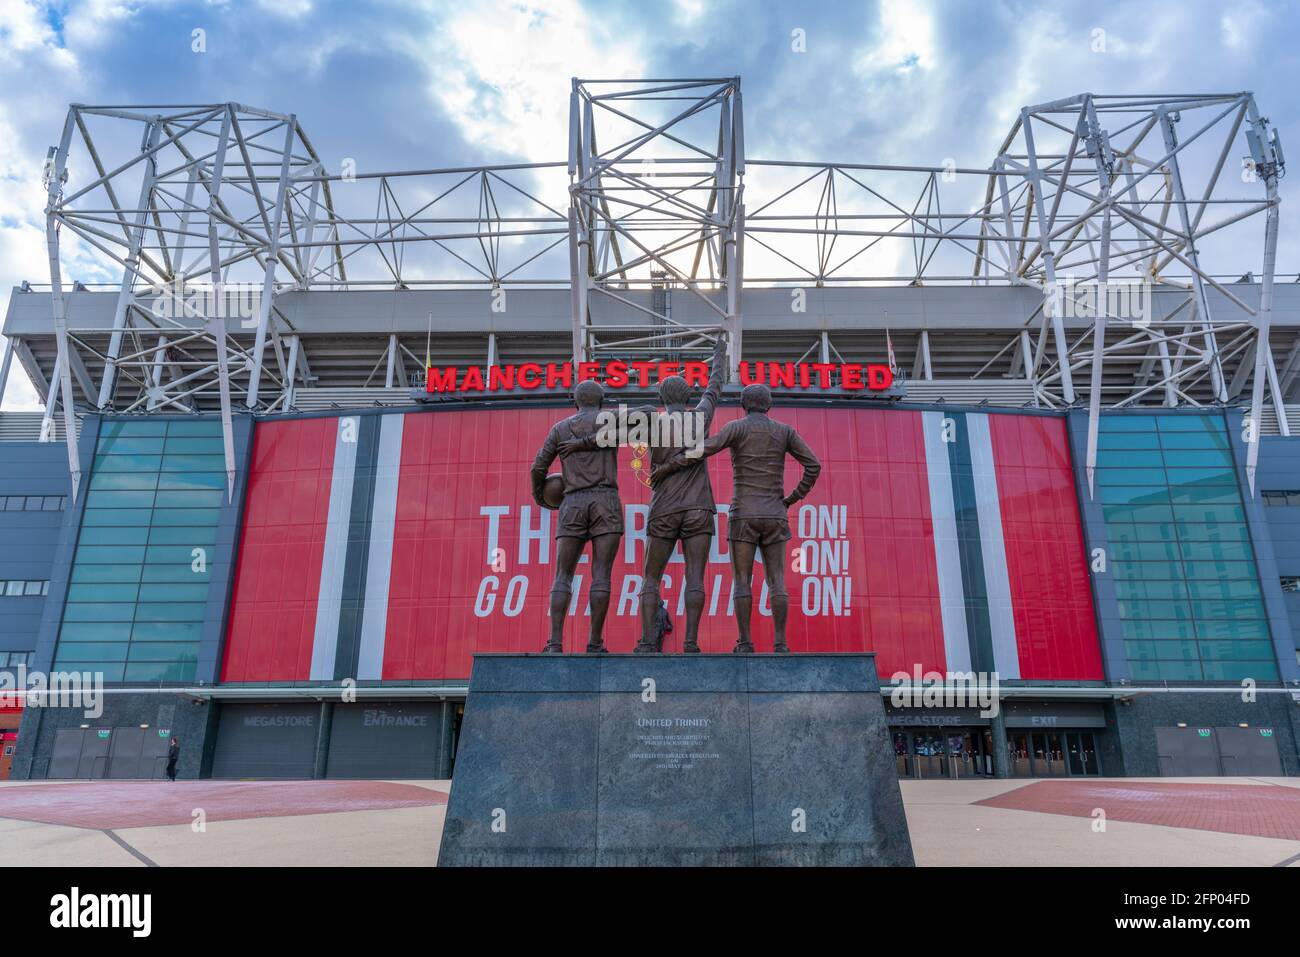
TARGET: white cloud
(501,70)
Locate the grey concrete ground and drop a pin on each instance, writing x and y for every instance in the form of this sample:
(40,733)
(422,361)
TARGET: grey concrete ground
(948,829)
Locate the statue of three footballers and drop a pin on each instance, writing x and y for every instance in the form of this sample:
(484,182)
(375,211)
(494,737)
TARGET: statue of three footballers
(682,507)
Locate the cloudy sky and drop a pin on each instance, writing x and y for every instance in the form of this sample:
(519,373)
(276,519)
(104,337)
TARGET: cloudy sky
(404,84)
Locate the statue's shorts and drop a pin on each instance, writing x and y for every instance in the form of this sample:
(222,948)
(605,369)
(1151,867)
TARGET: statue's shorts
(760,531)
(685,524)
(590,513)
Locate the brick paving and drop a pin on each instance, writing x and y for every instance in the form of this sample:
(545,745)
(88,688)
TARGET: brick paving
(1264,810)
(123,804)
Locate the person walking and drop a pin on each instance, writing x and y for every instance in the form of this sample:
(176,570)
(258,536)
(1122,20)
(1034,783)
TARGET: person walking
(173,755)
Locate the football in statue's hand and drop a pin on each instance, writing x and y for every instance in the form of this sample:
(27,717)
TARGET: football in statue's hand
(553,490)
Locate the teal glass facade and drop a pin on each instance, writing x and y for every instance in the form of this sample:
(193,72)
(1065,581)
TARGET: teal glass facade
(1181,556)
(138,587)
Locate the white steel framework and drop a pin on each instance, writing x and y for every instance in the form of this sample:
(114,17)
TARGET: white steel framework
(210,214)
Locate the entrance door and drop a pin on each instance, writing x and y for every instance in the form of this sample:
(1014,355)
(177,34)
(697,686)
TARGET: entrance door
(80,753)
(927,748)
(902,754)
(1081,753)
(1248,751)
(965,752)
(1018,753)
(1187,752)
(266,741)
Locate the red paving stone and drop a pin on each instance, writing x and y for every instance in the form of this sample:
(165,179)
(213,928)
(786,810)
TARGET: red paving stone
(120,804)
(1260,810)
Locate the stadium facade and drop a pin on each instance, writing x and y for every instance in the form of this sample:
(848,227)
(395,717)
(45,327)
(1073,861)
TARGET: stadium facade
(279,494)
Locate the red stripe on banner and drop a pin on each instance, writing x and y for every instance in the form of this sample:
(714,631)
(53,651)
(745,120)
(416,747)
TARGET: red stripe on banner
(277,576)
(1056,631)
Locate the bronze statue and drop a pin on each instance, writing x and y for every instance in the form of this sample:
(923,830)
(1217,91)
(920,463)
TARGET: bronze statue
(758,516)
(681,503)
(590,511)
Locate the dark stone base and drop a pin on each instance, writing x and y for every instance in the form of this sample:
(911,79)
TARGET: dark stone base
(635,760)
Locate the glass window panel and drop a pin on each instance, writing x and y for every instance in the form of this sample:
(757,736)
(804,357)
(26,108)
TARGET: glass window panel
(1205,495)
(1144,551)
(139,427)
(1193,441)
(114,516)
(1151,590)
(1245,628)
(110,670)
(1157,630)
(110,555)
(105,593)
(174,591)
(186,516)
(167,631)
(52,503)
(1232,571)
(1137,513)
(1210,514)
(78,652)
(127,463)
(1221,532)
(182,535)
(1144,670)
(1179,670)
(114,535)
(131,445)
(175,573)
(105,573)
(94,631)
(1237,650)
(1236,608)
(1133,495)
(1173,650)
(163,651)
(175,611)
(1128,442)
(170,555)
(1191,458)
(13,589)
(192,481)
(1129,458)
(1148,571)
(160,671)
(208,498)
(33,588)
(1240,670)
(1215,551)
(1140,650)
(189,446)
(98,612)
(15,503)
(124,481)
(1224,589)
(1152,532)
(1127,423)
(1131,477)
(194,427)
(1173,610)
(1200,476)
(1191,423)
(193,463)
(106,499)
